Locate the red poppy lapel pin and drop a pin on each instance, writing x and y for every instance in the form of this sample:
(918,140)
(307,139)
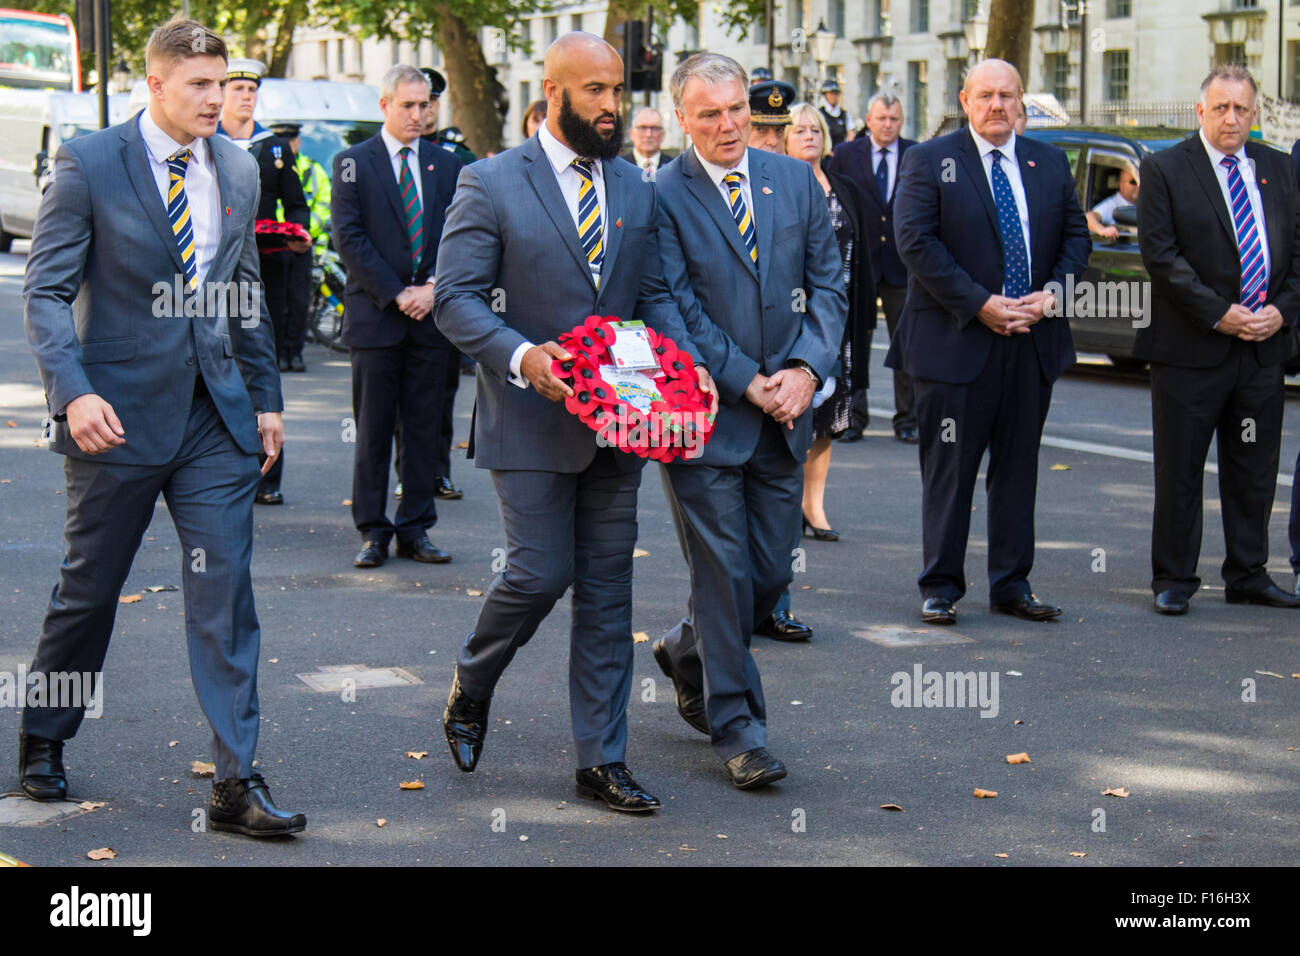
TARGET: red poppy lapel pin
(227,210)
(429,167)
(618,223)
(1030,163)
(767,191)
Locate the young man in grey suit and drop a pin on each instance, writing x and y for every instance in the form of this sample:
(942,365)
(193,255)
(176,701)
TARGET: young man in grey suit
(750,256)
(157,385)
(537,239)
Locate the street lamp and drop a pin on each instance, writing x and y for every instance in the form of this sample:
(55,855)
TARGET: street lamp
(976,29)
(822,42)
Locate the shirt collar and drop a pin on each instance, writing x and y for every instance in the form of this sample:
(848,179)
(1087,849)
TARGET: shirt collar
(717,172)
(1216,155)
(876,147)
(161,146)
(641,158)
(1007,149)
(394,145)
(559,155)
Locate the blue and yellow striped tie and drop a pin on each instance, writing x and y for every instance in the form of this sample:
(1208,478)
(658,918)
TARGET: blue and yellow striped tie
(589,231)
(741,213)
(178,212)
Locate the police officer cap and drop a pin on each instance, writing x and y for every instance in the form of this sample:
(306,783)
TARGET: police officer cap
(769,103)
(287,130)
(451,134)
(242,69)
(830,86)
(759,74)
(437,82)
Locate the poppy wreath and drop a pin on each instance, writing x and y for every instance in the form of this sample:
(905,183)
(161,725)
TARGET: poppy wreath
(678,424)
(271,234)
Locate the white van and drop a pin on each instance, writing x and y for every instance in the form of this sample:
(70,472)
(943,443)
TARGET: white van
(333,116)
(35,124)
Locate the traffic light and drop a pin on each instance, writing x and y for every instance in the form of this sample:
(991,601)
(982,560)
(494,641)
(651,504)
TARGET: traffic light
(86,25)
(644,62)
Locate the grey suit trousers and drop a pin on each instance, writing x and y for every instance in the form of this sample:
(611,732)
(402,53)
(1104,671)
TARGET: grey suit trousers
(209,488)
(564,529)
(732,519)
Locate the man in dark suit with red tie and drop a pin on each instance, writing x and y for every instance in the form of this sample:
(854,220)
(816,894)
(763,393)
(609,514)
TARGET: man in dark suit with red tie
(1224,260)
(873,161)
(985,221)
(390,196)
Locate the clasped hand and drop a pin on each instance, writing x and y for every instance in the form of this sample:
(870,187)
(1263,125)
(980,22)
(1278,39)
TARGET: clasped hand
(1010,316)
(785,396)
(1250,326)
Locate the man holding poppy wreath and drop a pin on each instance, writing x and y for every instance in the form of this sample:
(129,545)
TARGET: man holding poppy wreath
(539,238)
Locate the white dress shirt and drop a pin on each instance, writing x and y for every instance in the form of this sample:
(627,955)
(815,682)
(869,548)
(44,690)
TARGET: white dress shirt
(561,158)
(890,160)
(1011,167)
(1247,170)
(641,159)
(394,147)
(717,172)
(202,193)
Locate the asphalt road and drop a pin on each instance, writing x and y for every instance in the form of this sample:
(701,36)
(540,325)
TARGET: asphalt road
(1112,696)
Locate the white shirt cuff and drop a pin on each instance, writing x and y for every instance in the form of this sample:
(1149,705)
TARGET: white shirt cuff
(516,376)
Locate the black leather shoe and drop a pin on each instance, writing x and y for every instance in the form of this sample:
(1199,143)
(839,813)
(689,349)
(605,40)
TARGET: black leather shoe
(269,498)
(447,491)
(784,626)
(938,610)
(820,534)
(296,364)
(422,550)
(1027,607)
(907,434)
(371,555)
(244,806)
(1171,602)
(1270,595)
(284,363)
(464,723)
(613,783)
(690,702)
(40,767)
(754,768)
(851,434)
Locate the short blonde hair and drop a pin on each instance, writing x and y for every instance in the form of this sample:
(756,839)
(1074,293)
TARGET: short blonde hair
(179,39)
(800,110)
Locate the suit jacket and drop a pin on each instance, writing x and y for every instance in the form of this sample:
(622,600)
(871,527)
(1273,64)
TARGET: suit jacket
(1189,248)
(949,240)
(370,234)
(101,311)
(853,159)
(746,320)
(512,271)
(862,286)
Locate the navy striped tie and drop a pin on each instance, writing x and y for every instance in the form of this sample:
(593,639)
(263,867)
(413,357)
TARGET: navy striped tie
(178,213)
(1249,249)
(740,212)
(589,231)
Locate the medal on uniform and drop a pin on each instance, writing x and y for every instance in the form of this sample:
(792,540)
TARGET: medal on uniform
(276,151)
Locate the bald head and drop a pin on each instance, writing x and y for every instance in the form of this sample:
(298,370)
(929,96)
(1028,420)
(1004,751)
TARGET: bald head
(991,99)
(583,85)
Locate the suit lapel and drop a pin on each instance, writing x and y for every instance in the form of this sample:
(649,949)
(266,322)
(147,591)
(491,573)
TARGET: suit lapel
(612,234)
(1030,180)
(217,151)
(135,155)
(383,168)
(542,178)
(764,208)
(703,189)
(433,207)
(1199,160)
(974,166)
(1273,220)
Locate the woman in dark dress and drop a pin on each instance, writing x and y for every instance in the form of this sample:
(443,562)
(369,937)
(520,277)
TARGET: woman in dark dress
(807,138)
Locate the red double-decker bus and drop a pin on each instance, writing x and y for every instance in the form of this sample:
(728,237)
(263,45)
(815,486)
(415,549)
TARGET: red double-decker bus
(38,51)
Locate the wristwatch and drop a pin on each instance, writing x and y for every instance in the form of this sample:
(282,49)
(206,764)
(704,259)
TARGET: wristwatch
(804,366)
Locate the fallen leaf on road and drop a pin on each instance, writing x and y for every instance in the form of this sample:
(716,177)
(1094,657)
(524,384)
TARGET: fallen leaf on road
(890,806)
(346,502)
(985,793)
(162,587)
(1014,674)
(172,743)
(1296,676)
(1060,468)
(1115,792)
(273,660)
(11,424)
(640,553)
(1018,758)
(1020,721)
(103,853)
(130,599)
(411,785)
(473,592)
(380,822)
(640,637)
(1270,674)
(721,836)
(1078,854)
(202,768)
(417,754)
(1001,856)
(90,805)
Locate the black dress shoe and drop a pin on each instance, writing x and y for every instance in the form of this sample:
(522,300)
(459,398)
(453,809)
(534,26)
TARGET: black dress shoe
(851,434)
(284,363)
(371,555)
(613,783)
(269,498)
(820,534)
(244,806)
(1270,595)
(690,702)
(1171,602)
(907,434)
(464,723)
(1027,607)
(447,491)
(296,364)
(938,610)
(784,626)
(40,767)
(422,550)
(754,768)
